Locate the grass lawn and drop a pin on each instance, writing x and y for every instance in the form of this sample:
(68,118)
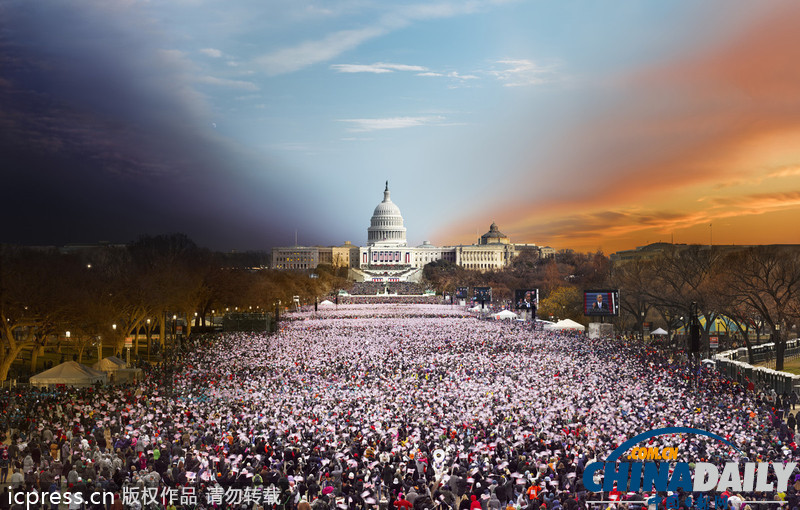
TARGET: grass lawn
(791,366)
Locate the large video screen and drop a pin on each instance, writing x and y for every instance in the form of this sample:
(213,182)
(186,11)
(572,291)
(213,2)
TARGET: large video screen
(482,294)
(526,299)
(600,302)
(462,292)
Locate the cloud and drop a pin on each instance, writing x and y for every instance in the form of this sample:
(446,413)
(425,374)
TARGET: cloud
(288,60)
(378,68)
(364,125)
(757,203)
(233,84)
(522,72)
(307,53)
(462,76)
(786,171)
(211,52)
(103,128)
(713,129)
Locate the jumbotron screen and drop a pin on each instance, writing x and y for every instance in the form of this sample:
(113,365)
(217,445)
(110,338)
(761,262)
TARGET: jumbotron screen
(462,292)
(601,302)
(526,299)
(482,294)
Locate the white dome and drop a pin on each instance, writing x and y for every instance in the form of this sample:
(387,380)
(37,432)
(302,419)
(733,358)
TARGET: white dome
(387,209)
(386,226)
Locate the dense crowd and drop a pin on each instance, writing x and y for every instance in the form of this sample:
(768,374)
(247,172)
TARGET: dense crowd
(417,407)
(373,288)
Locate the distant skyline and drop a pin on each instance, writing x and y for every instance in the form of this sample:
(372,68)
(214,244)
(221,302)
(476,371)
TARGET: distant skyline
(574,124)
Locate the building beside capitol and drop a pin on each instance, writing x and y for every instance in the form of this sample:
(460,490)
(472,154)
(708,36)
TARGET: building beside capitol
(388,258)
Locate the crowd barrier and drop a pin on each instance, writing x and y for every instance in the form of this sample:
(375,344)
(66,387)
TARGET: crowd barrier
(734,364)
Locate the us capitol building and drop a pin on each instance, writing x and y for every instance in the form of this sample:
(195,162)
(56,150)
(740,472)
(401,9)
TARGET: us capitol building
(388,258)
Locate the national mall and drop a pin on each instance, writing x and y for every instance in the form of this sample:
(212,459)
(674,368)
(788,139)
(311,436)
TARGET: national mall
(388,258)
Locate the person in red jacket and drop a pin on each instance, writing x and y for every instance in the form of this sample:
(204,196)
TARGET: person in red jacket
(475,504)
(402,503)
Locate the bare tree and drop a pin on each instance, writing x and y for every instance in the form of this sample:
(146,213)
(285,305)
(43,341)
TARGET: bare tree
(686,275)
(766,279)
(33,292)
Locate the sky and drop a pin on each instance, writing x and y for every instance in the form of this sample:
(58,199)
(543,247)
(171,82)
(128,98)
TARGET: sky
(246,124)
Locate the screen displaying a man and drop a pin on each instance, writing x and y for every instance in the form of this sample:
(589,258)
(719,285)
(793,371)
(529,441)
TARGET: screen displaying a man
(525,299)
(599,305)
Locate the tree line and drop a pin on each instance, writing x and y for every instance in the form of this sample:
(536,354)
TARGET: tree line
(107,293)
(753,290)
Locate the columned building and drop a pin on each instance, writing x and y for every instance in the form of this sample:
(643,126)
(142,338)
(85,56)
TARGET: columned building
(388,258)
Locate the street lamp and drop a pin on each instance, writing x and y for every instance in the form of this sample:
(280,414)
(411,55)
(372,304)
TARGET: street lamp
(148,339)
(127,347)
(642,324)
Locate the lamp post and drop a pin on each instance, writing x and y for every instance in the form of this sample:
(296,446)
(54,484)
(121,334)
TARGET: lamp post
(642,325)
(127,347)
(777,340)
(147,329)
(174,329)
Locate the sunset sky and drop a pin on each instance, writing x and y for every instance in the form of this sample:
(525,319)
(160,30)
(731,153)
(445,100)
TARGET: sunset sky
(584,125)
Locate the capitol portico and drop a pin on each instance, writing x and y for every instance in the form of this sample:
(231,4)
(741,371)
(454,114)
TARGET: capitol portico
(388,258)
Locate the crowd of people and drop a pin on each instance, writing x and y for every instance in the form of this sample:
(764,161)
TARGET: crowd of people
(391,407)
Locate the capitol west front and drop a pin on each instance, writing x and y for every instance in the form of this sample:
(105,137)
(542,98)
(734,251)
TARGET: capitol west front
(388,258)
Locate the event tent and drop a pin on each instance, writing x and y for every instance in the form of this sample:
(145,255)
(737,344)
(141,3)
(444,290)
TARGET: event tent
(567,324)
(325,303)
(505,314)
(69,373)
(659,331)
(109,364)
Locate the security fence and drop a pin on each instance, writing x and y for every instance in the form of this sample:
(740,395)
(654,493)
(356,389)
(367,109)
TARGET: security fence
(734,364)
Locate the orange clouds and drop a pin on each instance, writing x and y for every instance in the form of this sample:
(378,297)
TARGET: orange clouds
(707,137)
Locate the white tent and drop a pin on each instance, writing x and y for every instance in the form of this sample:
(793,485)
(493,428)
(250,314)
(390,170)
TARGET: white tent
(109,364)
(659,331)
(505,314)
(476,308)
(325,303)
(566,324)
(70,373)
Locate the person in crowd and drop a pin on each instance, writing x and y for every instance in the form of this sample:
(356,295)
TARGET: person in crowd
(393,406)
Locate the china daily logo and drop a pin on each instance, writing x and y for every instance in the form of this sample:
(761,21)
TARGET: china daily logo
(649,468)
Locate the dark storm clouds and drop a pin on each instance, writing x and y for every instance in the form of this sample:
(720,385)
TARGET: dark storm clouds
(103,138)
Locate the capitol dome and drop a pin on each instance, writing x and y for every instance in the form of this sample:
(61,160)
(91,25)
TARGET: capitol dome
(386,226)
